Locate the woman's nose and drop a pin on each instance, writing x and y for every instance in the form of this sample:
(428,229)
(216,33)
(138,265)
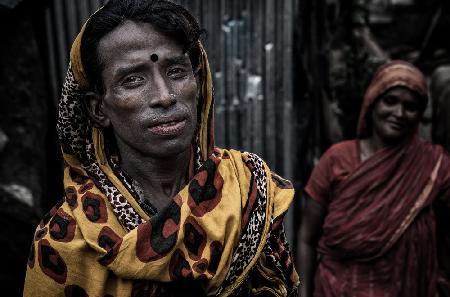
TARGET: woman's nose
(399,110)
(162,96)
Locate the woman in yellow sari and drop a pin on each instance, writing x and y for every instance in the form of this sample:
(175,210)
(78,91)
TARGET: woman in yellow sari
(220,234)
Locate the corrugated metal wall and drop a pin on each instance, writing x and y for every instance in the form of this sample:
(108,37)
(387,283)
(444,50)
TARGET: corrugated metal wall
(63,21)
(250,47)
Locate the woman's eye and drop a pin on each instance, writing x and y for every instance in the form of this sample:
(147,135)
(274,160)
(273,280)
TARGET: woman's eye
(131,80)
(390,100)
(412,107)
(177,72)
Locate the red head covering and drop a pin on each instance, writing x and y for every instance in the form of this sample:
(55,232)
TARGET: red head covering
(396,73)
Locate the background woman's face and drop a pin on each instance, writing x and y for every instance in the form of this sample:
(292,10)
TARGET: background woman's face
(396,114)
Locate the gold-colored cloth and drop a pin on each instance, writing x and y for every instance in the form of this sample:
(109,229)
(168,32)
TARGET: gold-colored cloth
(100,242)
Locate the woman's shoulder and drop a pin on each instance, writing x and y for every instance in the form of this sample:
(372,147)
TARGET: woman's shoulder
(434,149)
(437,153)
(346,145)
(347,150)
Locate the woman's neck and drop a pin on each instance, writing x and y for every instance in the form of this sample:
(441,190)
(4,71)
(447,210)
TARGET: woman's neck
(159,178)
(369,146)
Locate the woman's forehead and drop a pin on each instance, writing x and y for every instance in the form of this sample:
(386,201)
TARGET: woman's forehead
(131,36)
(410,96)
(402,92)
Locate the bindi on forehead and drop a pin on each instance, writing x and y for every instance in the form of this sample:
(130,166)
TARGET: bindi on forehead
(154,58)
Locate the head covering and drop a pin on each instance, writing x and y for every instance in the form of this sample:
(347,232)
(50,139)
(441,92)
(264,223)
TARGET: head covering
(222,227)
(393,74)
(83,143)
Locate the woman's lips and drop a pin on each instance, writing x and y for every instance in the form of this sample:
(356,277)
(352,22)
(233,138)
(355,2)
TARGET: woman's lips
(169,128)
(396,125)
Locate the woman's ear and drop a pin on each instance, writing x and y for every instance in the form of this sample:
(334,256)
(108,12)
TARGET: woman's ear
(95,107)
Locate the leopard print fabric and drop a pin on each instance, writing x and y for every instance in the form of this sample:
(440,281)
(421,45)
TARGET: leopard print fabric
(278,253)
(251,237)
(75,134)
(74,131)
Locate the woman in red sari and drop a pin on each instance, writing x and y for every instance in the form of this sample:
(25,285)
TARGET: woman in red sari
(370,215)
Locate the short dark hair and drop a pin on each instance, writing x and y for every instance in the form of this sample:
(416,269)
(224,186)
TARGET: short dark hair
(165,16)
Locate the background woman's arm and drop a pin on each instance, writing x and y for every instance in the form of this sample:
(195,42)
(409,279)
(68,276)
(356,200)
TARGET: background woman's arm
(312,216)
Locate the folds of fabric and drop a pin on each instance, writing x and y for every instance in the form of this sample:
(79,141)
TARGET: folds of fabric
(220,232)
(390,187)
(402,262)
(379,235)
(193,238)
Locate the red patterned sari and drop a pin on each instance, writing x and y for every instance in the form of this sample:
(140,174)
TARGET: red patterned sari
(380,232)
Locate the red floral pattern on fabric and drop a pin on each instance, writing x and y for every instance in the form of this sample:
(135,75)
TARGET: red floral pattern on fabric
(179,267)
(111,242)
(71,197)
(94,208)
(78,176)
(157,237)
(62,227)
(194,238)
(205,189)
(216,249)
(51,262)
(86,187)
(75,291)
(40,233)
(200,266)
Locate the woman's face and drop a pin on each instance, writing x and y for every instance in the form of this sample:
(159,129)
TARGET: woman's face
(395,115)
(150,90)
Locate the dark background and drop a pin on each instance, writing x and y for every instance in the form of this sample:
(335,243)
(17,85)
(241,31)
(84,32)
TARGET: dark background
(289,77)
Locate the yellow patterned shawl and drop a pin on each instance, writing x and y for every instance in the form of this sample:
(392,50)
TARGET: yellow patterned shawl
(223,231)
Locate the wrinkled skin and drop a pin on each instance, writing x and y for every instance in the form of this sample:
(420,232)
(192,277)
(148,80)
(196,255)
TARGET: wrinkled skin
(151,105)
